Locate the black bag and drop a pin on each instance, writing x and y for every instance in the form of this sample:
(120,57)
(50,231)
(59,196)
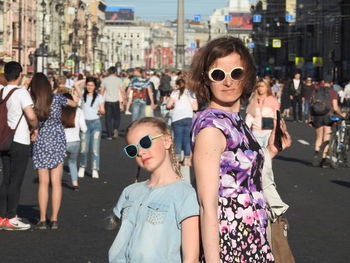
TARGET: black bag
(320,102)
(6,133)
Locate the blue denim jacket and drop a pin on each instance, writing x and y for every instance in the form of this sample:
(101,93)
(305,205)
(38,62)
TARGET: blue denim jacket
(151,222)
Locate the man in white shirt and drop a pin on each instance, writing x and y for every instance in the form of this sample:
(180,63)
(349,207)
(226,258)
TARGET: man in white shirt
(113,93)
(15,159)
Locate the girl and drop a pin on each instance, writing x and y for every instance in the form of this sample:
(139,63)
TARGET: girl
(159,217)
(183,103)
(261,112)
(73,121)
(50,145)
(93,107)
(227,158)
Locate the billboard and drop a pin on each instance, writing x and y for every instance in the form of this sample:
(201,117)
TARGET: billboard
(240,20)
(119,13)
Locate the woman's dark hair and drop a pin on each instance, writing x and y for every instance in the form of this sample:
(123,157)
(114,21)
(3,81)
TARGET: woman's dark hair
(218,48)
(41,92)
(68,114)
(182,86)
(94,80)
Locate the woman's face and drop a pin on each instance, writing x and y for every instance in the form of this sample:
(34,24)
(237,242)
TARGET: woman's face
(261,88)
(228,90)
(90,87)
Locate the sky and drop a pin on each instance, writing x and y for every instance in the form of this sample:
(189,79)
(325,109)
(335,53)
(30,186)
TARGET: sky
(162,10)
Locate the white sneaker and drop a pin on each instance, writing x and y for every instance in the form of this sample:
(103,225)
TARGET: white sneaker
(128,113)
(81,172)
(95,174)
(15,223)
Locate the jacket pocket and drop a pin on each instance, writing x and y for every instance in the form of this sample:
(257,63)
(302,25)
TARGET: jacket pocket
(156,213)
(125,209)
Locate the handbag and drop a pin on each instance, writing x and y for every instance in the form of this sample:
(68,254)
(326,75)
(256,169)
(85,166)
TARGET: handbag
(279,241)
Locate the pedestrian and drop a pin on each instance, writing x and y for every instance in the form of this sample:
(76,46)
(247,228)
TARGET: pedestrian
(93,107)
(50,146)
(261,112)
(113,93)
(306,93)
(285,101)
(294,87)
(227,158)
(149,109)
(139,87)
(14,161)
(182,102)
(324,96)
(73,121)
(159,217)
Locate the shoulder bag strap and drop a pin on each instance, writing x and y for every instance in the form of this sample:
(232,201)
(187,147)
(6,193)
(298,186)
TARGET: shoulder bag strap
(8,95)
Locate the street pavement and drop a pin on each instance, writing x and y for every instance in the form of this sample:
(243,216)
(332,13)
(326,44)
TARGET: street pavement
(319,213)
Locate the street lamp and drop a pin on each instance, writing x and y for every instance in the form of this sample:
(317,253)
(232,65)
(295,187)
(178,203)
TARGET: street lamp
(76,26)
(43,8)
(94,39)
(60,11)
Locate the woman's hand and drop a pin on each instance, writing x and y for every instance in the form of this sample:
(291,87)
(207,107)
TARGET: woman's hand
(286,139)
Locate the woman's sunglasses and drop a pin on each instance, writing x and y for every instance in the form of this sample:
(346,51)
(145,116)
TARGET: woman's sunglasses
(218,74)
(145,142)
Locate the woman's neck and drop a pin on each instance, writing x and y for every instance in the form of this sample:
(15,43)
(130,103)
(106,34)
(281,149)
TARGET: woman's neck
(228,107)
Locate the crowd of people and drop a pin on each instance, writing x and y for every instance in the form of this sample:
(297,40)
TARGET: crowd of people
(230,209)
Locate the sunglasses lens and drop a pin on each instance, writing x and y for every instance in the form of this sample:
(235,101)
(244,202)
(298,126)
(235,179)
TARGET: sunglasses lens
(218,75)
(145,142)
(237,74)
(131,150)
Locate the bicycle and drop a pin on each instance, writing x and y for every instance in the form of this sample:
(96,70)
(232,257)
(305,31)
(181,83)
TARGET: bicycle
(338,151)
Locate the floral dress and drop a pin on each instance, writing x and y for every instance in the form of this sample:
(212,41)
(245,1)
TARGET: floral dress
(242,208)
(50,145)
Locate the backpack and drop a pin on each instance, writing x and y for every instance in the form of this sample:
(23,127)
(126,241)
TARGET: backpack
(6,133)
(320,102)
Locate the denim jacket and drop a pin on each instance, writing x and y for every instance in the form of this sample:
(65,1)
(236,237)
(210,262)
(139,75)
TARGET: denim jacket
(151,222)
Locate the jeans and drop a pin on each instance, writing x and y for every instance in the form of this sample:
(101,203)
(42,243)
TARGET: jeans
(182,137)
(138,109)
(72,154)
(306,110)
(112,117)
(92,137)
(14,163)
(297,106)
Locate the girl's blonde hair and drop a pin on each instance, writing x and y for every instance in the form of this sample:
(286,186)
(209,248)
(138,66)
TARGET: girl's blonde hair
(253,99)
(164,128)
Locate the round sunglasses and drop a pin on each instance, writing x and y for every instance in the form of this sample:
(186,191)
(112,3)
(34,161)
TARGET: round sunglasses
(218,74)
(145,142)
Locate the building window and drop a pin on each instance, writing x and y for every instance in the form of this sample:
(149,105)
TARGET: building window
(124,35)
(131,35)
(138,35)
(137,57)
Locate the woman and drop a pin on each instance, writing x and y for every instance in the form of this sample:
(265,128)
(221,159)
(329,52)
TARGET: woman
(183,103)
(92,105)
(50,146)
(227,158)
(261,112)
(73,121)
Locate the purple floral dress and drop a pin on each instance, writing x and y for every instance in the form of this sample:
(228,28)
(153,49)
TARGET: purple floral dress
(241,208)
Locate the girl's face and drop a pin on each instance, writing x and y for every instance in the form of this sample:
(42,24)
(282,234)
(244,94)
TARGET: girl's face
(152,158)
(261,88)
(90,87)
(228,90)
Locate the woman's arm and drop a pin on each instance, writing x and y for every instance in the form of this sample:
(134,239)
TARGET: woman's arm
(72,103)
(170,104)
(210,143)
(190,239)
(194,104)
(337,109)
(101,109)
(77,88)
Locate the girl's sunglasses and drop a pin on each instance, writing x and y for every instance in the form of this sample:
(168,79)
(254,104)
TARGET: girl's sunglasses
(218,74)
(145,142)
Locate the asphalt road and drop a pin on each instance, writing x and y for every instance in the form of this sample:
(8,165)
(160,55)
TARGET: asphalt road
(319,202)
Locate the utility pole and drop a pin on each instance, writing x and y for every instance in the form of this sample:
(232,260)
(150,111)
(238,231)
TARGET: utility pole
(20,32)
(180,40)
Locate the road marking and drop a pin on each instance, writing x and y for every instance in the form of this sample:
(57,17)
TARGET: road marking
(303,142)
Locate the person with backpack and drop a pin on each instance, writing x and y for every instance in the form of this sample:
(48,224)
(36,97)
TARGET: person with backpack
(18,126)
(324,104)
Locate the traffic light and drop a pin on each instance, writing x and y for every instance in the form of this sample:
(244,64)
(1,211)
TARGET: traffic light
(267,68)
